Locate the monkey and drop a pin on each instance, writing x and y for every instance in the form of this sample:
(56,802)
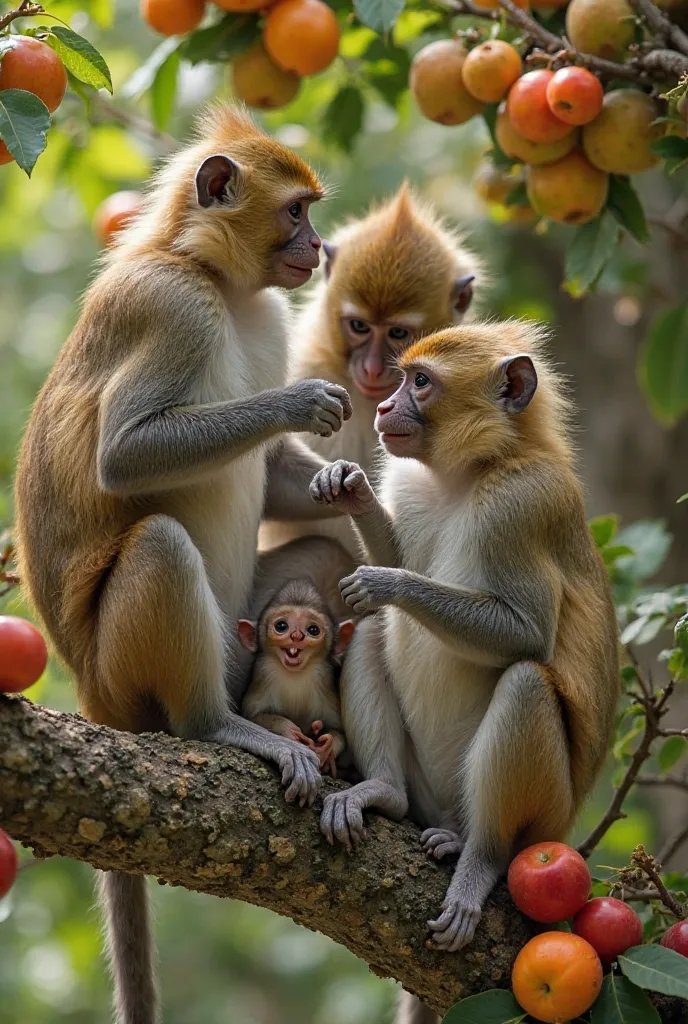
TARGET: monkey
(155,445)
(293,689)
(481,695)
(389,276)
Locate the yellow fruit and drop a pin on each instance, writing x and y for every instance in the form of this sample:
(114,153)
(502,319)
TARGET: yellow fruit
(604,28)
(519,148)
(494,185)
(571,191)
(437,83)
(260,83)
(618,140)
(491,69)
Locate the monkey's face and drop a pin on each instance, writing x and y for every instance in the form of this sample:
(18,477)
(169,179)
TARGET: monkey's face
(297,636)
(402,420)
(373,351)
(297,251)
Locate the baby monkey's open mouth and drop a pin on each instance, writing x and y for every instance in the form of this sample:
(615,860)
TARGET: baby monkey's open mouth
(291,656)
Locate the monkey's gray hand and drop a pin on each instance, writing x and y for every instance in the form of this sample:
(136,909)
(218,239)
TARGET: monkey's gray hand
(342,817)
(345,486)
(441,842)
(300,769)
(455,927)
(318,406)
(370,587)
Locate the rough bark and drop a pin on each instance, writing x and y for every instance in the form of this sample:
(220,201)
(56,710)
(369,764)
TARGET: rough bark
(214,819)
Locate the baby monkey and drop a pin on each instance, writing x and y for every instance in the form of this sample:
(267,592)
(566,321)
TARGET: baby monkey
(293,690)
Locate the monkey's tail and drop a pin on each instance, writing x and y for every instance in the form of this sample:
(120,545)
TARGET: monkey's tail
(130,946)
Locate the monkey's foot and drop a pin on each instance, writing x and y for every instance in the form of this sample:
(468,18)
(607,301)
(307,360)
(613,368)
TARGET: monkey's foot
(455,927)
(342,818)
(441,842)
(300,769)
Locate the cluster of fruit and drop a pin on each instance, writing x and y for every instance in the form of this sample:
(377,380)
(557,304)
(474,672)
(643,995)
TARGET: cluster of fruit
(563,132)
(299,38)
(33,66)
(558,974)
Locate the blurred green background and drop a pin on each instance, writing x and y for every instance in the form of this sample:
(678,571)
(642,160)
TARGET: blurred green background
(222,961)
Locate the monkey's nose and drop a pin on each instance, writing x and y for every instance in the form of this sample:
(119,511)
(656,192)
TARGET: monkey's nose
(385,407)
(297,636)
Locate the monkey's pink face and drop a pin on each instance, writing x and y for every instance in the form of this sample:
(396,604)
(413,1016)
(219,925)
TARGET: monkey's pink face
(401,420)
(297,635)
(374,349)
(297,254)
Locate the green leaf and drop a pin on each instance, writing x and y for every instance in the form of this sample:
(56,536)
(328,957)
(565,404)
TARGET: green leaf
(222,41)
(650,541)
(677,664)
(622,1002)
(624,204)
(80,57)
(588,253)
(671,147)
(386,67)
(493,1007)
(24,123)
(657,968)
(663,366)
(164,91)
(518,196)
(379,15)
(344,117)
(681,634)
(671,752)
(603,529)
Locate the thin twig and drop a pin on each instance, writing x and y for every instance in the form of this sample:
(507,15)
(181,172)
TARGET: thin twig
(660,25)
(674,732)
(26,9)
(649,866)
(662,780)
(672,844)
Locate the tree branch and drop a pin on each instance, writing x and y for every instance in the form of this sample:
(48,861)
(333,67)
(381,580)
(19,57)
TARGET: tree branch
(672,845)
(660,25)
(662,780)
(214,820)
(26,9)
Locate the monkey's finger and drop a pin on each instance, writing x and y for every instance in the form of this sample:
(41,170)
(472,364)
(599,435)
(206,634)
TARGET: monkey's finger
(448,849)
(343,395)
(354,817)
(321,428)
(327,819)
(444,920)
(315,489)
(338,470)
(341,825)
(346,582)
(326,485)
(354,480)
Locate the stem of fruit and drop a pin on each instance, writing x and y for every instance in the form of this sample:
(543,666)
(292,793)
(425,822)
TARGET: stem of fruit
(26,9)
(654,706)
(650,867)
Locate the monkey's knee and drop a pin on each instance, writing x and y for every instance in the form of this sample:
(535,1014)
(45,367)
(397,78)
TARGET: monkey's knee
(519,767)
(160,631)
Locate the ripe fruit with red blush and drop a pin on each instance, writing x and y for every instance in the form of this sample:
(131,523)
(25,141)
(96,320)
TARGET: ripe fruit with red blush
(676,938)
(8,864)
(575,95)
(23,654)
(529,111)
(32,65)
(549,882)
(610,926)
(556,977)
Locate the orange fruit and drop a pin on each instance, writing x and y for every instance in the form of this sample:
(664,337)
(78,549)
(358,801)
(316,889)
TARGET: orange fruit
(5,155)
(529,111)
(490,70)
(437,84)
(556,976)
(575,95)
(172,17)
(239,6)
(302,36)
(570,191)
(114,213)
(260,83)
(518,147)
(32,65)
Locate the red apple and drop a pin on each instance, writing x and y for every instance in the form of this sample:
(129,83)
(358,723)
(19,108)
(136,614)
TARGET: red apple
(549,882)
(8,864)
(23,654)
(610,926)
(676,938)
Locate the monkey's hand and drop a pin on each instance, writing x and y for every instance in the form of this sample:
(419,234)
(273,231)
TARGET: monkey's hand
(318,406)
(345,486)
(325,751)
(300,768)
(441,842)
(455,927)
(370,587)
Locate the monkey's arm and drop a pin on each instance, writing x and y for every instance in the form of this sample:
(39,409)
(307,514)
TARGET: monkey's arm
(376,530)
(503,625)
(291,467)
(343,485)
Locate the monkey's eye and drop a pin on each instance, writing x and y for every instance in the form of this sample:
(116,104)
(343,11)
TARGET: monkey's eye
(359,326)
(398,333)
(281,626)
(421,380)
(295,210)
(314,630)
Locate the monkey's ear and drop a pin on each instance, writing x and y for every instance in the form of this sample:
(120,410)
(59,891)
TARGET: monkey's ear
(247,634)
(330,251)
(518,383)
(343,637)
(219,180)
(462,293)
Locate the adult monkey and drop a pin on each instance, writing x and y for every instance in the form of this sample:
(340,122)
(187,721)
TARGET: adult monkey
(142,475)
(390,276)
(482,694)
